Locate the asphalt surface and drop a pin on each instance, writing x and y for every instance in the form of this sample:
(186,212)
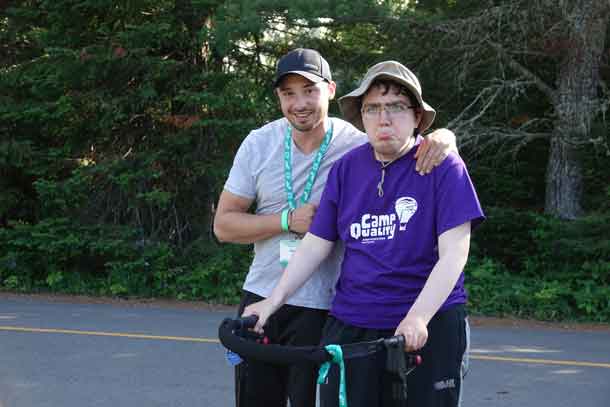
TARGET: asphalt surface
(72,353)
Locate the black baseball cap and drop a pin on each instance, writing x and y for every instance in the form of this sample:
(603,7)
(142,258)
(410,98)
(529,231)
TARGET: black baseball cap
(305,62)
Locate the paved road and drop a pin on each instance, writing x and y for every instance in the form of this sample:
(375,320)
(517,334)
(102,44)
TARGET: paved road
(70,354)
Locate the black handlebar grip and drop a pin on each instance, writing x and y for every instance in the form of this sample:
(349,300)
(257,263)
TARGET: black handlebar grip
(247,322)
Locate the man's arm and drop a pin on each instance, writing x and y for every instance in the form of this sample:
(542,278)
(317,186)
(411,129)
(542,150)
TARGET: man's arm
(304,262)
(234,224)
(434,149)
(453,247)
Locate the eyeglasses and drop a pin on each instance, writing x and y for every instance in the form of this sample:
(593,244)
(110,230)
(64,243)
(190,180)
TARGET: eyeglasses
(392,109)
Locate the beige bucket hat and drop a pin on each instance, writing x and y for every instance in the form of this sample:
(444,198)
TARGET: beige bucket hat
(350,103)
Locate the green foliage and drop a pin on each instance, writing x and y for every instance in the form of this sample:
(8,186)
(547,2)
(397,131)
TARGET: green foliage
(493,290)
(58,256)
(218,277)
(49,253)
(505,236)
(119,122)
(554,270)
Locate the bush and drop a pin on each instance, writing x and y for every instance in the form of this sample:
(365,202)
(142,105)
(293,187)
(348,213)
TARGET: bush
(555,269)
(57,256)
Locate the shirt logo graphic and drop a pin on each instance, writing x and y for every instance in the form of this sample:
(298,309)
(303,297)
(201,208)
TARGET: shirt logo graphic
(405,208)
(373,227)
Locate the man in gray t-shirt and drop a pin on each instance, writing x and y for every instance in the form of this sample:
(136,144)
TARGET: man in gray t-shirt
(283,167)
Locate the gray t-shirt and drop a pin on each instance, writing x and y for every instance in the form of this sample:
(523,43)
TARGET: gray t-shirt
(258,174)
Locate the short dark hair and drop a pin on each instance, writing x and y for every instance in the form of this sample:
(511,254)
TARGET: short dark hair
(388,85)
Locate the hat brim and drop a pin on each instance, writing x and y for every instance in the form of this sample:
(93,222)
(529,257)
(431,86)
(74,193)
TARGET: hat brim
(350,105)
(307,75)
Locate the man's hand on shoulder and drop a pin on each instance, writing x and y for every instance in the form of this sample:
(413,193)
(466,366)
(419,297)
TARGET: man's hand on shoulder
(434,149)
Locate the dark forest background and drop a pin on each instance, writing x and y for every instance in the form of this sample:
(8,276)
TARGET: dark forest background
(119,121)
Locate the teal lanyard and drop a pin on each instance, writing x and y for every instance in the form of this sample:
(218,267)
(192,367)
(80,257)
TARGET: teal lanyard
(337,357)
(312,173)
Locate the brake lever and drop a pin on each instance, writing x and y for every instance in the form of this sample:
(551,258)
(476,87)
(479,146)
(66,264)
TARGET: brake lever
(397,358)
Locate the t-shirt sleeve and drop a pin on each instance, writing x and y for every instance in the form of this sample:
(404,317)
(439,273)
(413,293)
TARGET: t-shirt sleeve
(457,198)
(324,223)
(241,177)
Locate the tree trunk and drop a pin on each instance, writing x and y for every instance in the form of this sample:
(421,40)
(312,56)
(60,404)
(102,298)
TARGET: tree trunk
(576,105)
(564,182)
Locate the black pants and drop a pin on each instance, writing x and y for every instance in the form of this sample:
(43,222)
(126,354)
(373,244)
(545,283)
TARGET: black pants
(435,383)
(265,385)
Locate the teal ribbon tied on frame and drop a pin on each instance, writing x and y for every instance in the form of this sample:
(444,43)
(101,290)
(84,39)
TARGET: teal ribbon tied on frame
(337,357)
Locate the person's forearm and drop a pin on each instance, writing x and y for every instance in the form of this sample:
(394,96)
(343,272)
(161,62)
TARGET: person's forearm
(239,227)
(438,287)
(304,262)
(453,253)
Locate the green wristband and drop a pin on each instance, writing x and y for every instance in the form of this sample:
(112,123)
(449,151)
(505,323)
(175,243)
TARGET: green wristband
(285,220)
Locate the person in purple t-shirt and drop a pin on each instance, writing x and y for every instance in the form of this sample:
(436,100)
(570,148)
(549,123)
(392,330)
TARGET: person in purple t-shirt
(406,243)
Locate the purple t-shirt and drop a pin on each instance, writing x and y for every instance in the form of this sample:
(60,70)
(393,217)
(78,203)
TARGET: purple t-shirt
(391,242)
